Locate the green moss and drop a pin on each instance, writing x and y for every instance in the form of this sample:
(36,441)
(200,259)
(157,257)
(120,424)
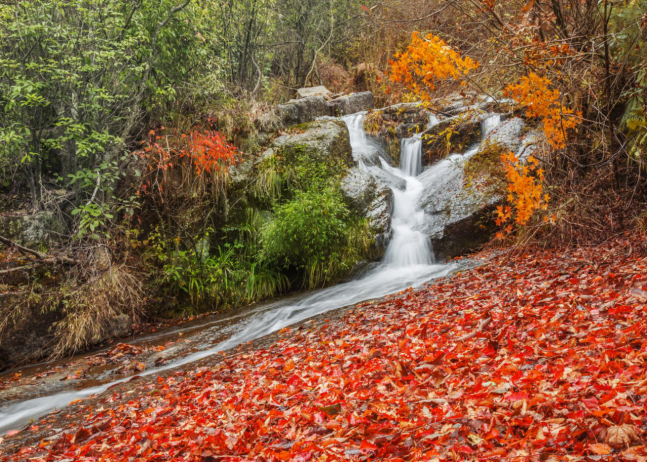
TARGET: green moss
(485,171)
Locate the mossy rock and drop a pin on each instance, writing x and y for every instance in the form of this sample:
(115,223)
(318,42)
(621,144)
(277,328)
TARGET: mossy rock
(452,135)
(32,230)
(323,140)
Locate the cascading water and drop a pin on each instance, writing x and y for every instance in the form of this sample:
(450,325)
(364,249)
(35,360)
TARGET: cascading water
(408,246)
(408,263)
(410,156)
(490,123)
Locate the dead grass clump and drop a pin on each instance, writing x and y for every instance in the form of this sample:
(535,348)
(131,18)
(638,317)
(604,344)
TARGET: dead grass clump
(95,300)
(96,308)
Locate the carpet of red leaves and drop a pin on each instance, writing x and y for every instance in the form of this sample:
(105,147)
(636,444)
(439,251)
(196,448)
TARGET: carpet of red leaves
(539,356)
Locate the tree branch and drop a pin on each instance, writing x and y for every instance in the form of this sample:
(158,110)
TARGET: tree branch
(23,250)
(40,255)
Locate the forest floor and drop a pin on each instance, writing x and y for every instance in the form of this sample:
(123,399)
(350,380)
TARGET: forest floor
(536,355)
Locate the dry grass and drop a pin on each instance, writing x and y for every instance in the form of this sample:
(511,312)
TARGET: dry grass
(93,306)
(92,298)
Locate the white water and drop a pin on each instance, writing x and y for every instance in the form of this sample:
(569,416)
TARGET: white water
(410,156)
(408,263)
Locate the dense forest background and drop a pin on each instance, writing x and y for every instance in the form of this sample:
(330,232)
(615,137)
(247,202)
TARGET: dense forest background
(122,124)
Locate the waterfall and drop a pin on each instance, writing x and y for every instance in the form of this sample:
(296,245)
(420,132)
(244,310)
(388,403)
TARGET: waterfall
(410,156)
(409,246)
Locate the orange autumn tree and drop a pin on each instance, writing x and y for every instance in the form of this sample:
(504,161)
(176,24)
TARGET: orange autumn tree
(425,62)
(542,101)
(525,190)
(525,193)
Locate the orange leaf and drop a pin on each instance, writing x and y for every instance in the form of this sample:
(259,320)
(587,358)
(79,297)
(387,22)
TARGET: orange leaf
(365,445)
(600,449)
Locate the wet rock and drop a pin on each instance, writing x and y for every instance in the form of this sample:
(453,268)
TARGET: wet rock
(457,220)
(386,179)
(116,327)
(240,174)
(372,198)
(507,135)
(370,153)
(360,188)
(324,139)
(379,216)
(533,142)
(464,236)
(32,229)
(406,113)
(409,130)
(458,104)
(351,104)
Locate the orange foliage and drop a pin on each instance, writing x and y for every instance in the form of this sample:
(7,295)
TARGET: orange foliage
(525,192)
(543,102)
(205,150)
(426,61)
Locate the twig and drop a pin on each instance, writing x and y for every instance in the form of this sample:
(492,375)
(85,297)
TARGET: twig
(96,189)
(40,255)
(482,325)
(20,248)
(15,269)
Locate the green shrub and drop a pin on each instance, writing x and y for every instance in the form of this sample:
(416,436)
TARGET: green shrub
(216,277)
(299,168)
(315,233)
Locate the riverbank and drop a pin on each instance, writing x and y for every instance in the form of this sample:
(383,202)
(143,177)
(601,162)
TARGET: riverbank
(534,355)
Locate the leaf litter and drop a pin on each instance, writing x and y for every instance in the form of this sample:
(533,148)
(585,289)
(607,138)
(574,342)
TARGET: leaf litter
(535,356)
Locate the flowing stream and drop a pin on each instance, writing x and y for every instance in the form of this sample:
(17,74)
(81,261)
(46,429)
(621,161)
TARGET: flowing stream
(408,262)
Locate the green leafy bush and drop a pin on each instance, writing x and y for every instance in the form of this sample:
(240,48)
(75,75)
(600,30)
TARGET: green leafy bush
(216,277)
(315,233)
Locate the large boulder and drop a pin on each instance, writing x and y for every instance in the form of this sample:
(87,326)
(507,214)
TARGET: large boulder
(324,140)
(372,198)
(306,92)
(316,105)
(507,135)
(457,219)
(286,115)
(460,217)
(405,113)
(351,104)
(310,108)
